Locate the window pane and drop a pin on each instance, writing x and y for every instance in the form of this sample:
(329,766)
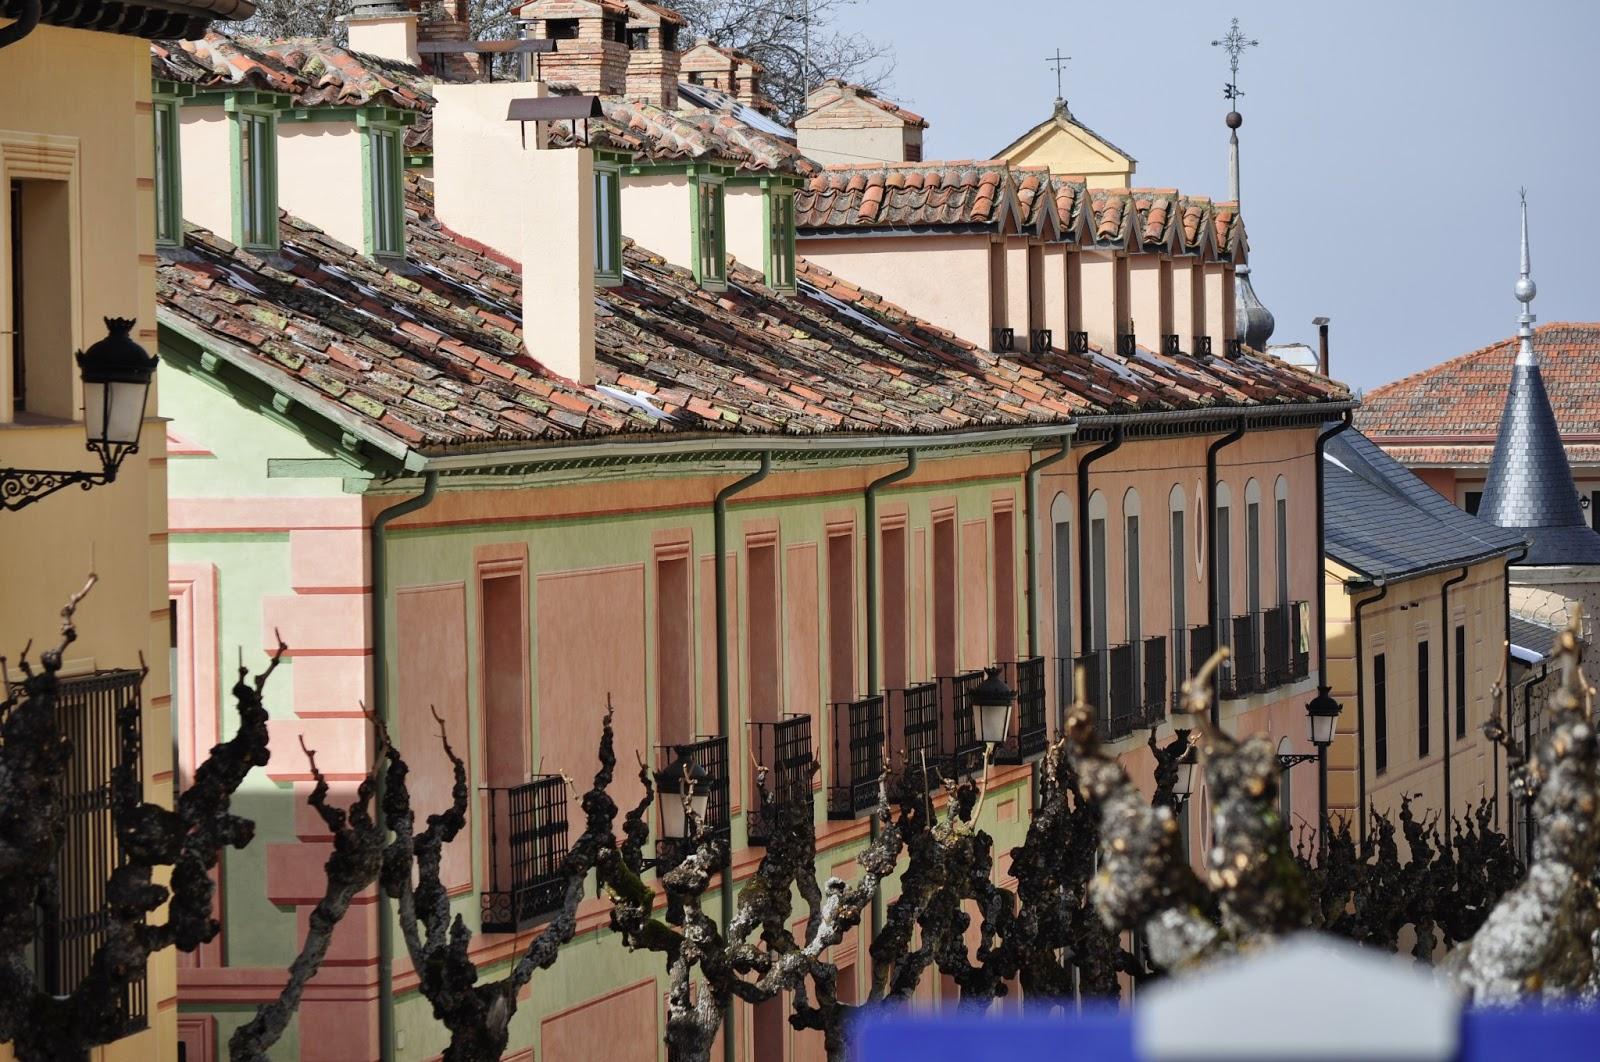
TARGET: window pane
(165,228)
(1380,713)
(1423,710)
(607,245)
(247,179)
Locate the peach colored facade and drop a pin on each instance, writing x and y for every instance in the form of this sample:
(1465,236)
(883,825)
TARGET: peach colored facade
(75,131)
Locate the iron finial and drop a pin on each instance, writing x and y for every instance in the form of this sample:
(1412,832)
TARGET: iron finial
(1526,289)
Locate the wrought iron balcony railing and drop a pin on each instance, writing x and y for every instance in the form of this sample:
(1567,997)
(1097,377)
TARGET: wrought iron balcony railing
(1273,623)
(1029,732)
(919,736)
(956,708)
(1121,715)
(1241,675)
(527,826)
(72,929)
(1154,707)
(783,750)
(858,730)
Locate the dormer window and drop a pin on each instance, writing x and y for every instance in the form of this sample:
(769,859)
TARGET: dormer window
(168,175)
(780,240)
(386,213)
(607,224)
(255,177)
(710,233)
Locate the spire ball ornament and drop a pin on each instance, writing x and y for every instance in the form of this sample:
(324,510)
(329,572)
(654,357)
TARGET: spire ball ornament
(1234,119)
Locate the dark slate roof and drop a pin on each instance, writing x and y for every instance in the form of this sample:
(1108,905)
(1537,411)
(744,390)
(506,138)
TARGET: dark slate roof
(1384,522)
(1529,486)
(433,357)
(1534,637)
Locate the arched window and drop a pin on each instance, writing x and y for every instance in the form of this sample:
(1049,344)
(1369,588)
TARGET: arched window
(1096,621)
(1222,546)
(1250,656)
(1131,565)
(1177,560)
(1280,494)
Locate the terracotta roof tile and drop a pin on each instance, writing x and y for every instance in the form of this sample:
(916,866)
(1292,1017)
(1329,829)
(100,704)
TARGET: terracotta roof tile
(1462,399)
(906,194)
(314,70)
(653,134)
(428,357)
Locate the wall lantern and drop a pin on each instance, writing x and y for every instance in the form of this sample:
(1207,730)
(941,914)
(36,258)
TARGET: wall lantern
(116,375)
(991,703)
(1323,713)
(1183,784)
(682,788)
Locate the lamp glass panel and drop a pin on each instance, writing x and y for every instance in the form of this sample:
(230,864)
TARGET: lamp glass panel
(672,818)
(126,411)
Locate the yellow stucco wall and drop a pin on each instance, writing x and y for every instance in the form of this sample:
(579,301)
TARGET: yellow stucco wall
(1068,149)
(1408,614)
(81,101)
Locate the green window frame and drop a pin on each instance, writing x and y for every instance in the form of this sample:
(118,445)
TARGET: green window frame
(781,240)
(607,224)
(383,167)
(710,232)
(255,178)
(168,173)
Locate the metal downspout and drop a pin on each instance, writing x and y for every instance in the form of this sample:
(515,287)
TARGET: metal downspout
(380,708)
(1031,537)
(1447,633)
(719,535)
(1085,569)
(1361,711)
(870,504)
(1211,560)
(1521,556)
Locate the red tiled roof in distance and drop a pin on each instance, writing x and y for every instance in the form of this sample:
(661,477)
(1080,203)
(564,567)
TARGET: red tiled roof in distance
(654,134)
(905,194)
(833,89)
(1462,398)
(314,70)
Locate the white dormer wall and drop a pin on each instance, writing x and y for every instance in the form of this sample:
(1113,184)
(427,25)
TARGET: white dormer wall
(206,148)
(386,36)
(1146,300)
(656,215)
(1219,305)
(744,207)
(321,178)
(1188,301)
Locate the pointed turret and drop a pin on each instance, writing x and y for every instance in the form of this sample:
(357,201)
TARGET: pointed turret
(1530,486)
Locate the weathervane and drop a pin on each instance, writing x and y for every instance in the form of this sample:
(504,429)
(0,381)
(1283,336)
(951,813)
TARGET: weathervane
(1234,43)
(1060,62)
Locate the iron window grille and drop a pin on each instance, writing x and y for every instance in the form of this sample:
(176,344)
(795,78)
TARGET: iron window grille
(1121,715)
(1191,647)
(784,749)
(1029,735)
(967,749)
(1040,340)
(1170,346)
(921,737)
(1004,340)
(527,848)
(857,757)
(1241,674)
(710,754)
(72,932)
(1077,342)
(1092,664)
(1202,346)
(1274,626)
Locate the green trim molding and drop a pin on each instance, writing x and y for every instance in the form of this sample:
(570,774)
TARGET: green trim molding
(253,168)
(710,263)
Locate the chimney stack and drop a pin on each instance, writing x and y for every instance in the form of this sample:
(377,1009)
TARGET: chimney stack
(654,63)
(591,36)
(387,30)
(1322,344)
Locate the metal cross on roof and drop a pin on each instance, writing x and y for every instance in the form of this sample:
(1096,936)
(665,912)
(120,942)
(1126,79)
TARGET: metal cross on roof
(1060,62)
(1234,43)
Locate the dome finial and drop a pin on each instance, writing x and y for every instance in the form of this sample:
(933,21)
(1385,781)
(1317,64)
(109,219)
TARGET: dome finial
(1526,289)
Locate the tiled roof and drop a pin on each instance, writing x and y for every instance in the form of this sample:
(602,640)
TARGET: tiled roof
(1384,522)
(434,357)
(1467,455)
(833,89)
(653,134)
(1462,398)
(314,70)
(906,194)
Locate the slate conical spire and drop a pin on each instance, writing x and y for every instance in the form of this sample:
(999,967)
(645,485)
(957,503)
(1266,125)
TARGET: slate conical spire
(1530,486)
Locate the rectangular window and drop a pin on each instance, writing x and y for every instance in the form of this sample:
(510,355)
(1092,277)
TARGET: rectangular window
(1461,682)
(256,206)
(638,40)
(1474,499)
(1131,579)
(16,267)
(607,225)
(780,241)
(710,254)
(1380,713)
(842,617)
(41,303)
(764,637)
(894,606)
(1062,570)
(1252,582)
(945,573)
(1424,710)
(1005,587)
(1097,587)
(674,649)
(1224,590)
(169,212)
(1283,555)
(386,212)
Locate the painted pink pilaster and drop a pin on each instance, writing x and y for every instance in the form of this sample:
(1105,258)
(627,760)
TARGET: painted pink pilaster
(193,590)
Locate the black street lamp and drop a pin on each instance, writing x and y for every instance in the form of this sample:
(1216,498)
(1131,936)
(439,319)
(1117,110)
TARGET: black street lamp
(682,791)
(116,375)
(1183,781)
(1322,714)
(991,703)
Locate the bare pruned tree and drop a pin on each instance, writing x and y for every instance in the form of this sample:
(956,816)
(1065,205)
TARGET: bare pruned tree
(485,19)
(186,839)
(798,42)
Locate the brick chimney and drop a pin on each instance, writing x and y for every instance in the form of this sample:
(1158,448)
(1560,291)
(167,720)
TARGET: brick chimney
(591,38)
(653,59)
(496,186)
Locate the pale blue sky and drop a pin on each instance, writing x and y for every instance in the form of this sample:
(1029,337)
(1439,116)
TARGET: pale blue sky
(1383,143)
